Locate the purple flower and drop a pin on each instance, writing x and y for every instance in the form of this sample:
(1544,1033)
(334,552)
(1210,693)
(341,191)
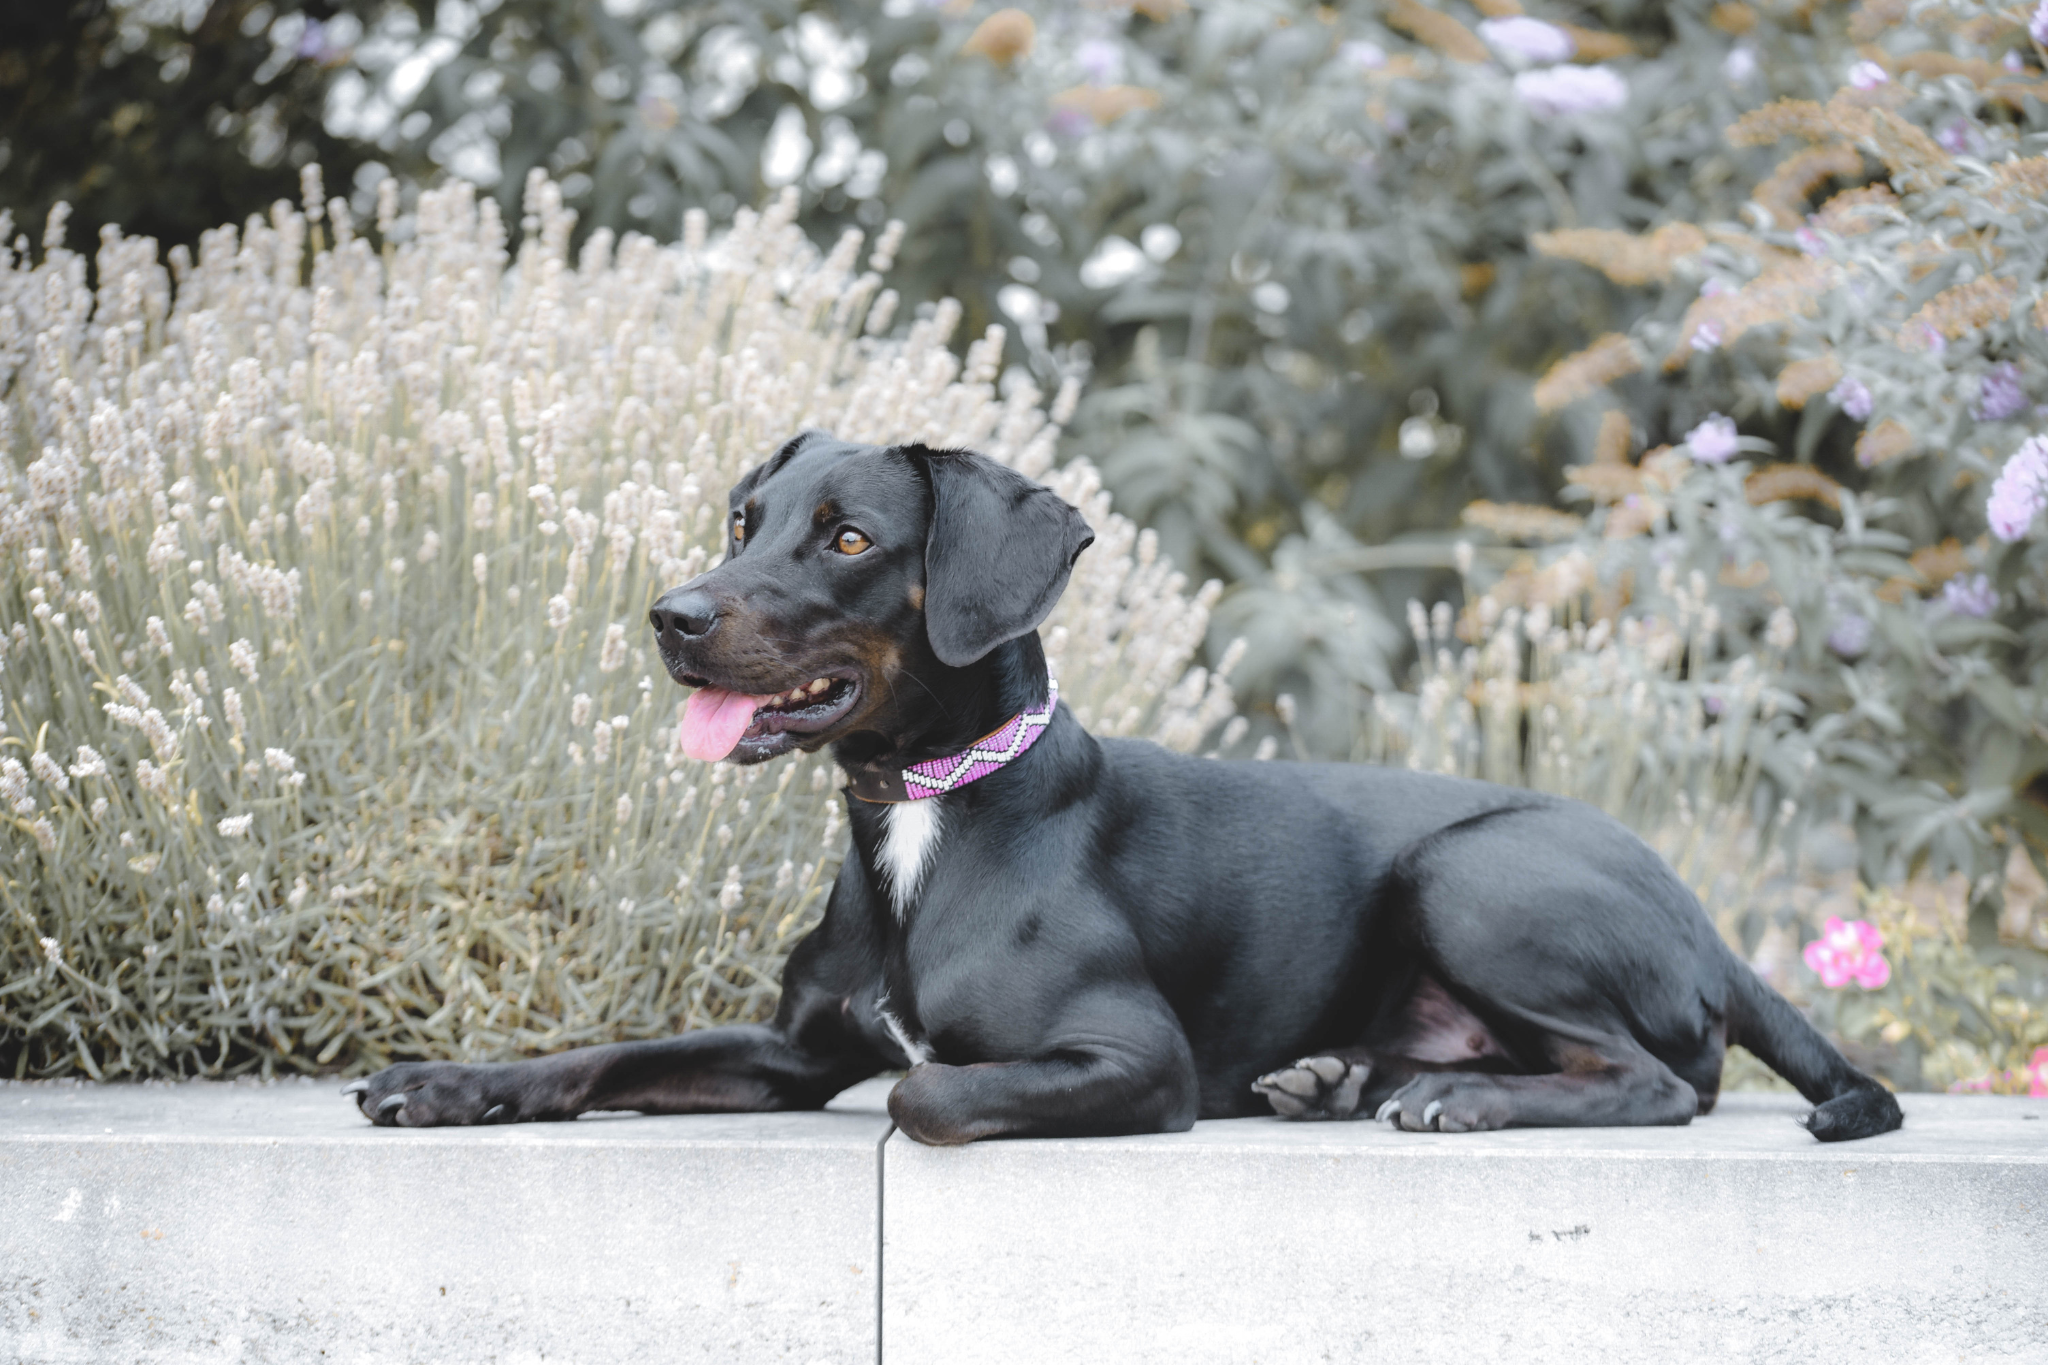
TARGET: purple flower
(1959,136)
(1706,336)
(1852,396)
(2000,396)
(1521,38)
(1850,636)
(1740,65)
(1867,76)
(316,44)
(1363,55)
(1810,242)
(1713,441)
(1070,122)
(2021,490)
(1970,595)
(2038,25)
(2014,62)
(1553,90)
(1713,286)
(1101,60)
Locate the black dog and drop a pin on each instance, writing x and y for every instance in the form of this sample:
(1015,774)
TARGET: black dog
(1103,937)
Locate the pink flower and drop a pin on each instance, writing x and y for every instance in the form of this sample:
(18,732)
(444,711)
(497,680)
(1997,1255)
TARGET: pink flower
(1867,76)
(1706,336)
(1849,951)
(2034,1076)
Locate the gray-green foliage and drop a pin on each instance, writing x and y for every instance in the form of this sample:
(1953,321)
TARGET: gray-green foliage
(1887,357)
(1277,236)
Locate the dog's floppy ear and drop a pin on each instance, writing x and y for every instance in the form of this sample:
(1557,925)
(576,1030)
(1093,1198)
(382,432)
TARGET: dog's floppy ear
(997,554)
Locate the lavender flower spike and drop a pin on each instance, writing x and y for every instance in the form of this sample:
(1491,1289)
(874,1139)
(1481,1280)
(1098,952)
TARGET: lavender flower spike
(2038,25)
(2020,492)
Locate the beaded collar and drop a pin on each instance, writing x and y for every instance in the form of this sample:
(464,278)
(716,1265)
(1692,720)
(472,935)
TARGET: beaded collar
(937,776)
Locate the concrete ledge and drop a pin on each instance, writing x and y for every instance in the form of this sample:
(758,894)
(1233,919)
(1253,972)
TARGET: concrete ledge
(1738,1238)
(271,1223)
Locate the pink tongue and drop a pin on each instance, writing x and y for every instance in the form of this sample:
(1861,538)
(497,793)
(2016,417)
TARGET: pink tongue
(713,721)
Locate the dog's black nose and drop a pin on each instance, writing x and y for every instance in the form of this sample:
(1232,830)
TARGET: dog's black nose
(683,612)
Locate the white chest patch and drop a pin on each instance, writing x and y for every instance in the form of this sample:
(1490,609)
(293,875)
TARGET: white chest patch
(913,1048)
(910,837)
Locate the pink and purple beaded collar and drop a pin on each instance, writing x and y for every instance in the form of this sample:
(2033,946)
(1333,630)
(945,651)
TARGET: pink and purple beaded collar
(937,776)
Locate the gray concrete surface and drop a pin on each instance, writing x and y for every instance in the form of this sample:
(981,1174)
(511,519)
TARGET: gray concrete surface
(243,1223)
(1735,1239)
(228,1222)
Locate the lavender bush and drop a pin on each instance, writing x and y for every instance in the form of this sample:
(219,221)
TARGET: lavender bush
(332,734)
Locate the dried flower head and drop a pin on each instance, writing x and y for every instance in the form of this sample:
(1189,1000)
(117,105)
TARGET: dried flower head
(1801,380)
(1437,29)
(1585,372)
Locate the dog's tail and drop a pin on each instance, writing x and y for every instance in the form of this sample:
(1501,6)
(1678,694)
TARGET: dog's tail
(1847,1103)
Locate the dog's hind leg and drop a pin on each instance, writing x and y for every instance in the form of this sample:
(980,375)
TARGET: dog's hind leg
(1607,1084)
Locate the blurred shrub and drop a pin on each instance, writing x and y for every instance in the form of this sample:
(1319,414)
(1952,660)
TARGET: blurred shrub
(165,117)
(1874,333)
(332,731)
(1288,241)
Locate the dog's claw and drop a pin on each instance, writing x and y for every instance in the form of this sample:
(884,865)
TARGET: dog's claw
(1430,1112)
(355,1087)
(391,1105)
(1387,1111)
(491,1114)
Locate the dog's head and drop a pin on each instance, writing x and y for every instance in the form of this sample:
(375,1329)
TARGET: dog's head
(855,577)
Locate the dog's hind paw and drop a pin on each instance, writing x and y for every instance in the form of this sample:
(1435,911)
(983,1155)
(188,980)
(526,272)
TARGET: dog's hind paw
(1315,1088)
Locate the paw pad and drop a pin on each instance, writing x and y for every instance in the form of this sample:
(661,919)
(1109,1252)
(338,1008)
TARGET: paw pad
(1315,1088)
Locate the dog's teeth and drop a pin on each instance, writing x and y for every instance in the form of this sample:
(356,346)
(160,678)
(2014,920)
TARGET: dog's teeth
(818,685)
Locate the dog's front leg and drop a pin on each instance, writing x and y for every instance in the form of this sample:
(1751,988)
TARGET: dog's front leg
(743,1068)
(1132,1073)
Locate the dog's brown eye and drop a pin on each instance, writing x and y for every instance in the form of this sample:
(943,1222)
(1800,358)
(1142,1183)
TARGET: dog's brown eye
(851,542)
(739,526)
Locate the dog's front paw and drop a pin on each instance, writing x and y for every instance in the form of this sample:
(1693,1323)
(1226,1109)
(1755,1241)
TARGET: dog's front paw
(1443,1102)
(434,1095)
(1315,1088)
